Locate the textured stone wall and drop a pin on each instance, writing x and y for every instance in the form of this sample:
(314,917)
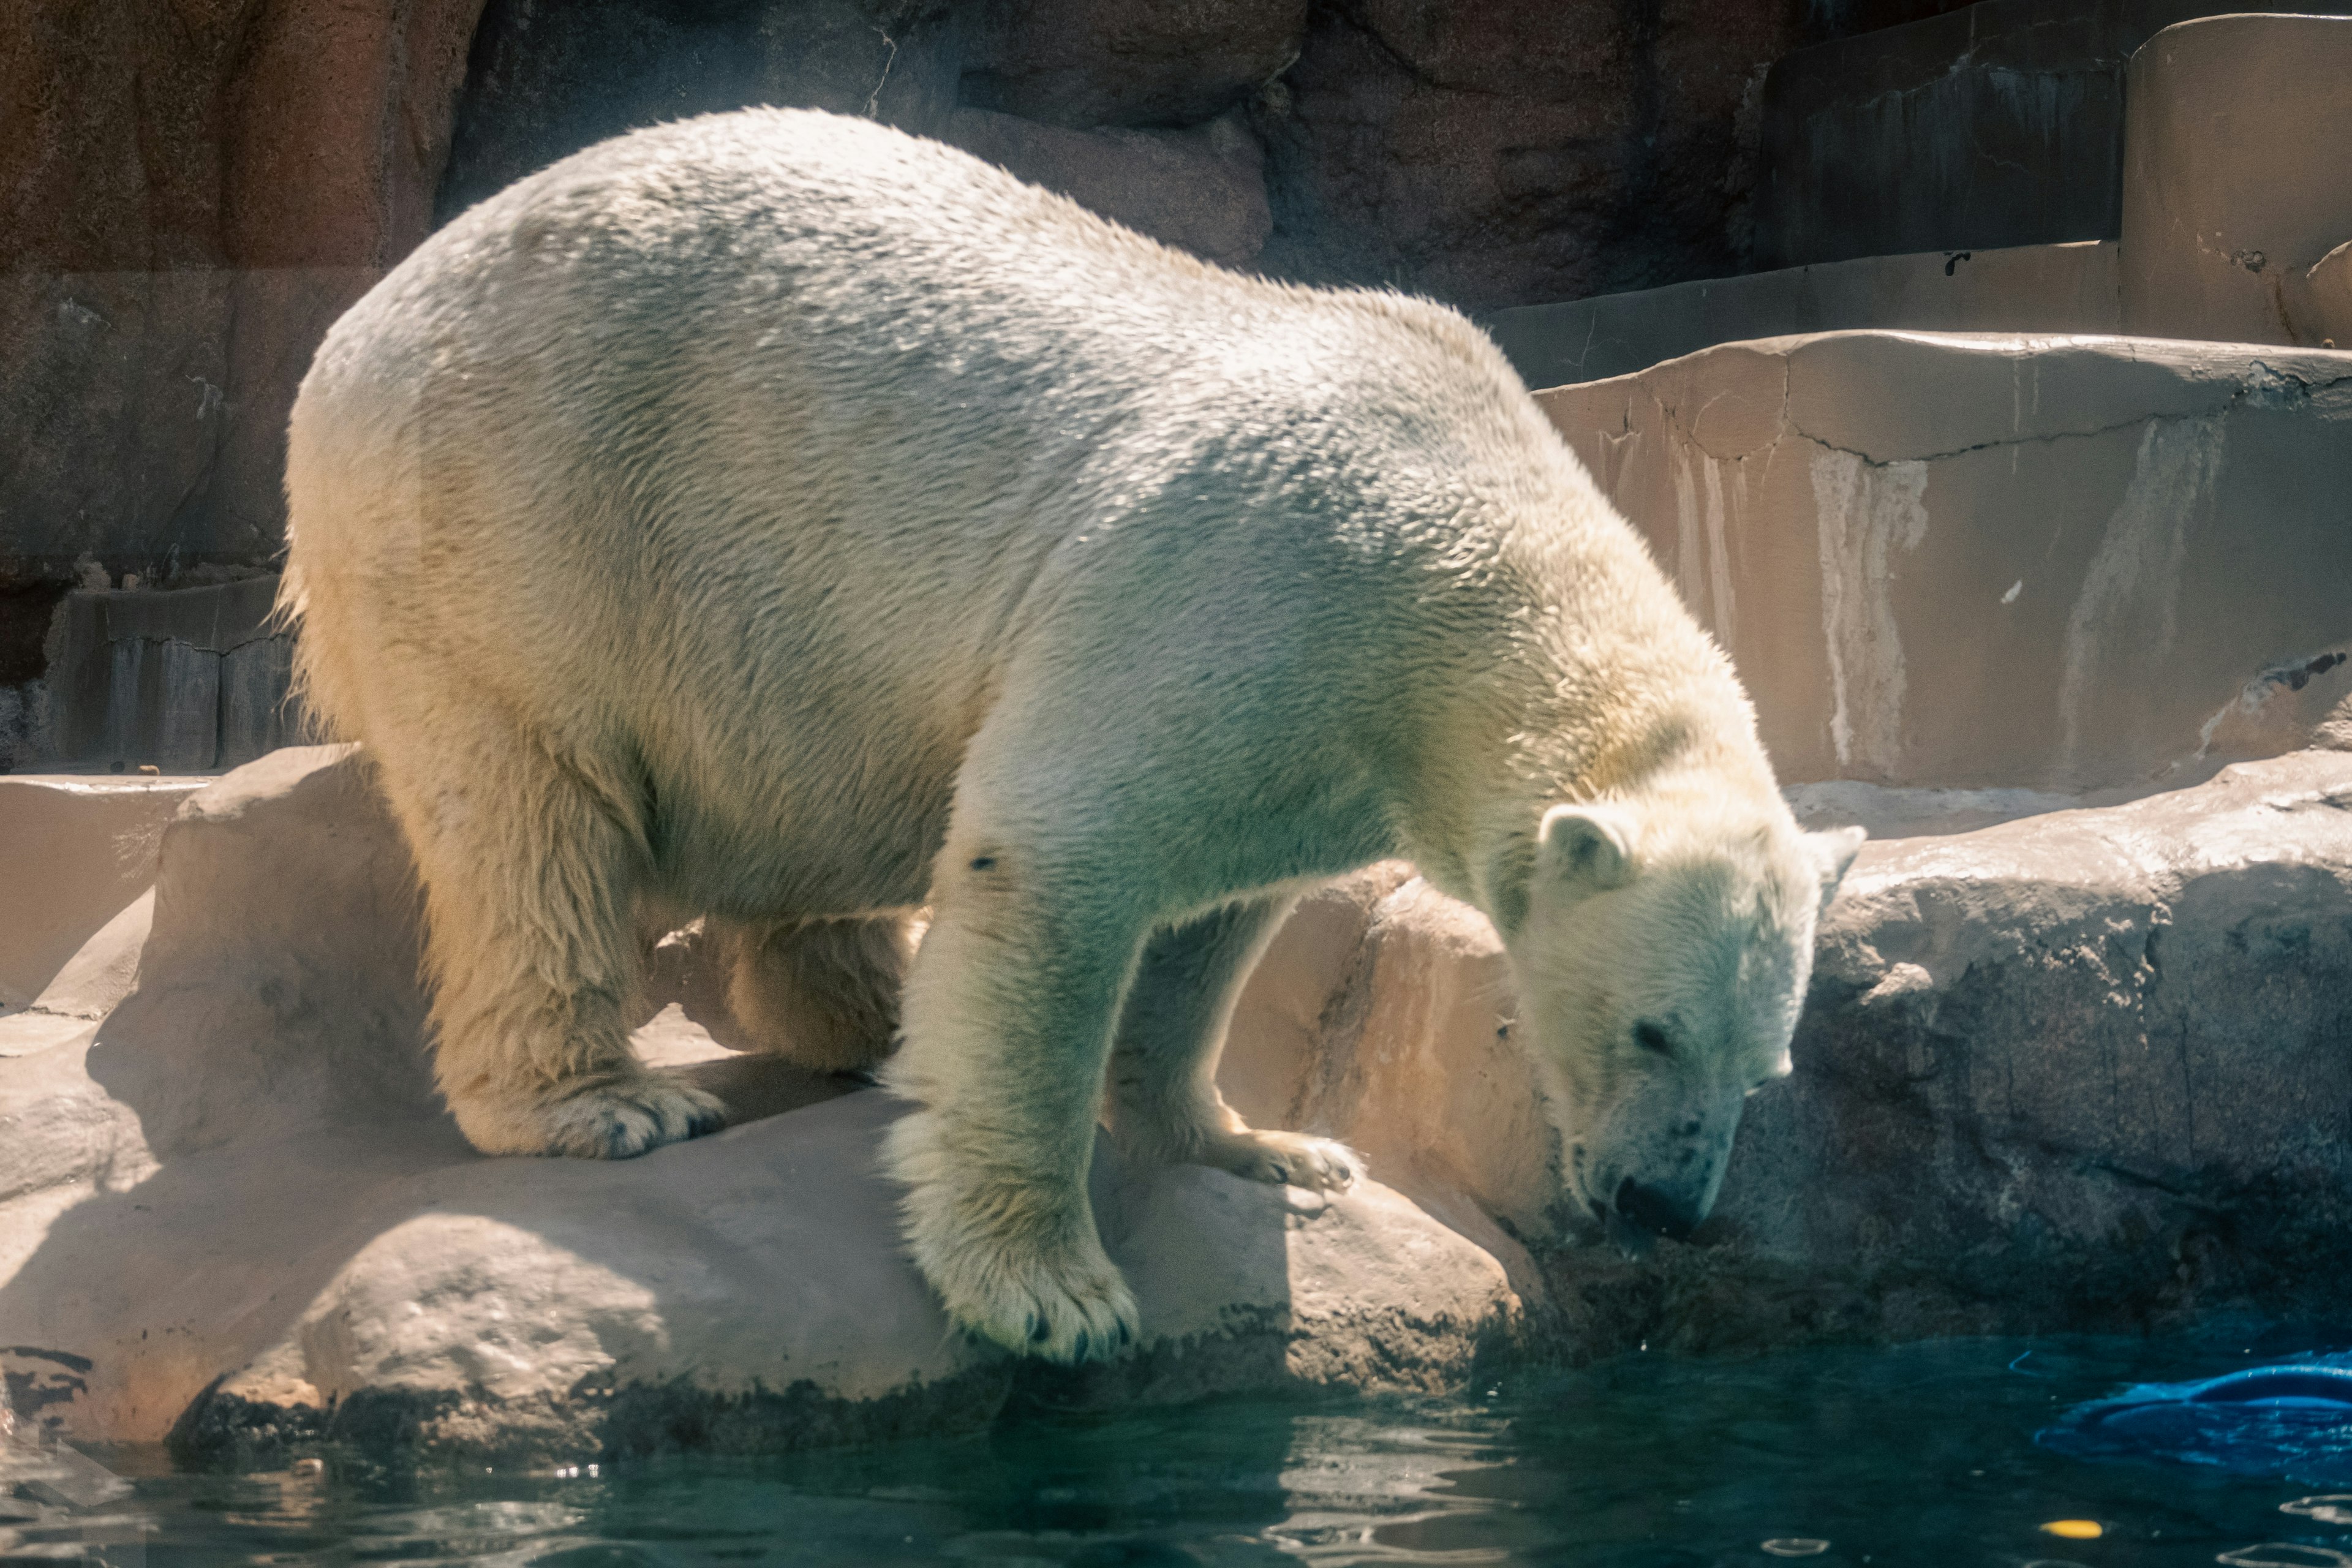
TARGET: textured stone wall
(189,195)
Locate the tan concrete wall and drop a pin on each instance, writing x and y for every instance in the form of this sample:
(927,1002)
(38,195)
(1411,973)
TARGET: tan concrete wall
(1993,561)
(2236,189)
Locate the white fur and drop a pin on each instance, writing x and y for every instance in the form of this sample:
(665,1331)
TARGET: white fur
(792,520)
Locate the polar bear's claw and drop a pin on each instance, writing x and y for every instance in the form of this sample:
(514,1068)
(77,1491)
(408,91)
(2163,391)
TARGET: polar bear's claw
(1285,1159)
(1047,1314)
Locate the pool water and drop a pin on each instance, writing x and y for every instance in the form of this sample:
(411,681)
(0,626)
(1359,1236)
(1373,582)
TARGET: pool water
(1922,1454)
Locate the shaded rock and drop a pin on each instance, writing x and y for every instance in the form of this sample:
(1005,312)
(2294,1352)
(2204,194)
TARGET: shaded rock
(2228,229)
(188,679)
(1503,152)
(1201,189)
(2053,563)
(187,198)
(1995,125)
(1128,62)
(239,1204)
(546,79)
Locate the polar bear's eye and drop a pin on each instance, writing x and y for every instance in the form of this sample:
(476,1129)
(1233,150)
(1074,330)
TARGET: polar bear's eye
(1651,1037)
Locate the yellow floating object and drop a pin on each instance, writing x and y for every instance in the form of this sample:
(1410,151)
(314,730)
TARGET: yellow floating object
(2075,1529)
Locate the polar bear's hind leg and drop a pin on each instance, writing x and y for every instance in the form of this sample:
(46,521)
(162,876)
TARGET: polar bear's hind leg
(824,994)
(529,871)
(1165,1102)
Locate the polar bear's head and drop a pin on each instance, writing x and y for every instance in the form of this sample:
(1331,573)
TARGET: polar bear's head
(1660,964)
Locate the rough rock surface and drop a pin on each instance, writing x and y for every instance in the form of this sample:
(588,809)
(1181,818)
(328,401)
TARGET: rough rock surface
(1202,188)
(547,79)
(1128,62)
(2086,1068)
(237,1205)
(188,197)
(1499,153)
(2056,563)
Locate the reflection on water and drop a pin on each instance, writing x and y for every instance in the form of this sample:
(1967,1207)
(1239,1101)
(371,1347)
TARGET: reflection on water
(1922,1454)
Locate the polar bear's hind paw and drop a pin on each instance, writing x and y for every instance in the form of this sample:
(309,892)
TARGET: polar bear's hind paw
(611,1120)
(1287,1159)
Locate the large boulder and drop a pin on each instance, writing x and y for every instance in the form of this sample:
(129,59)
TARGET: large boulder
(2086,1070)
(238,1208)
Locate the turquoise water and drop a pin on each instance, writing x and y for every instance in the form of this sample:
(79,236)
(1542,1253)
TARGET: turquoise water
(1919,1454)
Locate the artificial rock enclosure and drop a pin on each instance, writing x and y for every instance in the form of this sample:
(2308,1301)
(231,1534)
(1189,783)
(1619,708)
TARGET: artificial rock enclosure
(1973,371)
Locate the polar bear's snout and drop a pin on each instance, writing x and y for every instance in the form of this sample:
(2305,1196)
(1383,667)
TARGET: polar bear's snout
(1671,1215)
(1653,1170)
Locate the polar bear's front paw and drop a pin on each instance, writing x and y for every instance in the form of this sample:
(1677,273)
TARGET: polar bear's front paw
(611,1120)
(1284,1159)
(1014,1260)
(1066,1305)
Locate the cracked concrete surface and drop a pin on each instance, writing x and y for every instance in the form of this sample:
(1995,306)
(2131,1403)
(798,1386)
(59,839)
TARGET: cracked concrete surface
(1990,560)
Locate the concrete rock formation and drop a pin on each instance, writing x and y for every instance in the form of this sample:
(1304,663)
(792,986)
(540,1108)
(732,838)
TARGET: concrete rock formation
(2038,289)
(2077,1070)
(2231,227)
(237,1199)
(1982,561)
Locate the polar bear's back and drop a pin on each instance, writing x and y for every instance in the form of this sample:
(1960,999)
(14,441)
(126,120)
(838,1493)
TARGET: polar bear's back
(680,441)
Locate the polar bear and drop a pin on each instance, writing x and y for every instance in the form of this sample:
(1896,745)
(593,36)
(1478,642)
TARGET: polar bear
(785,518)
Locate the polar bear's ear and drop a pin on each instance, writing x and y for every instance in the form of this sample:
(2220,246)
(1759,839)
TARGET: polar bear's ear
(1585,850)
(1833,852)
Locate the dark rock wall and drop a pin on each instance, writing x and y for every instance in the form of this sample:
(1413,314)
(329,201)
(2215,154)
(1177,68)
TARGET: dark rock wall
(191,192)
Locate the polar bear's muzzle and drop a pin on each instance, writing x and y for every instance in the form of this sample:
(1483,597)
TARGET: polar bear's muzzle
(1647,1175)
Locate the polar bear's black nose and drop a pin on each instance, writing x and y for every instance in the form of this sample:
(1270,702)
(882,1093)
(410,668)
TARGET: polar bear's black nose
(1655,1212)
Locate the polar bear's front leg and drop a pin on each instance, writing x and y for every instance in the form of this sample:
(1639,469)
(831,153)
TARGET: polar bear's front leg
(1164,1098)
(1009,1010)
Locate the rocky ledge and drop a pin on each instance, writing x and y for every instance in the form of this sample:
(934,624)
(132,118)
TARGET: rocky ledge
(2086,1068)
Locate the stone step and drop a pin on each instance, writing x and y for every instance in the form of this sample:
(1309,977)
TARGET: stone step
(2027,288)
(1997,561)
(1995,126)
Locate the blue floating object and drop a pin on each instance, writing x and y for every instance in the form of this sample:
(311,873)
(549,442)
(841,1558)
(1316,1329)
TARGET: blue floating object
(2292,1419)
